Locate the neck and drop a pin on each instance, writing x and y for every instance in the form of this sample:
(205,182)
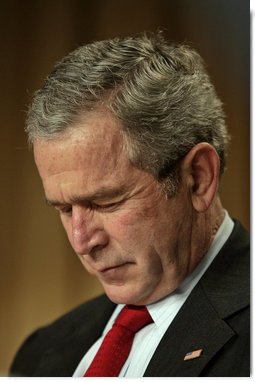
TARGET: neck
(205,228)
(217,217)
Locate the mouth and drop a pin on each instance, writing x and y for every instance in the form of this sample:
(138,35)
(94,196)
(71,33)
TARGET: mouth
(115,271)
(114,267)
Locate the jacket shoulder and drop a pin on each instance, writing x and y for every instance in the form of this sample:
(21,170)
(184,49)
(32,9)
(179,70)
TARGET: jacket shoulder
(71,333)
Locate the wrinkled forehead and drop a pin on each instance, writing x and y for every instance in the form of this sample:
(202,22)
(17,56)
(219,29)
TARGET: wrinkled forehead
(94,141)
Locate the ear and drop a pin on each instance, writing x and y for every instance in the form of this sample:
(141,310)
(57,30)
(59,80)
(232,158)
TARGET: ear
(200,171)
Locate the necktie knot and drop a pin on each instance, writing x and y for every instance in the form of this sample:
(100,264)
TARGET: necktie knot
(134,317)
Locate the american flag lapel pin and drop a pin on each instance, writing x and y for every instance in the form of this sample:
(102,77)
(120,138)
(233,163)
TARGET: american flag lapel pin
(193,354)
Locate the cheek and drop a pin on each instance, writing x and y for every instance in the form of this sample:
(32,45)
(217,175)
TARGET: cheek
(135,237)
(127,228)
(131,227)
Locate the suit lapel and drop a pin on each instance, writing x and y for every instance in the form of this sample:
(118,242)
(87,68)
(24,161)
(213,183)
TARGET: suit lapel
(197,326)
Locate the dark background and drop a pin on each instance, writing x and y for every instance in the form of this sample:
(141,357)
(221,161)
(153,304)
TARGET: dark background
(40,276)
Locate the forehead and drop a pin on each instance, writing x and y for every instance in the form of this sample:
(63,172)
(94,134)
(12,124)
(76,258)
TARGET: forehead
(90,153)
(95,134)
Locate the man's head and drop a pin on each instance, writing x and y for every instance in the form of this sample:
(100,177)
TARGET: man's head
(129,140)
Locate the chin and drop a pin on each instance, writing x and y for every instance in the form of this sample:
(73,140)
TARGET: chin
(126,295)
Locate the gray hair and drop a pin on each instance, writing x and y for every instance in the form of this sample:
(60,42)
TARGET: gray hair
(160,93)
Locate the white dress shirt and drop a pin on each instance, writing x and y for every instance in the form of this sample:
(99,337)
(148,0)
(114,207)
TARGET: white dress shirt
(163,312)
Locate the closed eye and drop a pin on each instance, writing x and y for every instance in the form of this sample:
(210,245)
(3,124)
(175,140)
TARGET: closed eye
(107,207)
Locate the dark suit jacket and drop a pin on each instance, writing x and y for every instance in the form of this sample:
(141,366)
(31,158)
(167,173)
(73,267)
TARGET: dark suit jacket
(215,318)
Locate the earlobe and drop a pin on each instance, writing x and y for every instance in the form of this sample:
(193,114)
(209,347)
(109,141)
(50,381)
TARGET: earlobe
(201,167)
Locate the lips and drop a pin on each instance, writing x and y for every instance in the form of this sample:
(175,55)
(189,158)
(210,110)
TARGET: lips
(107,269)
(113,272)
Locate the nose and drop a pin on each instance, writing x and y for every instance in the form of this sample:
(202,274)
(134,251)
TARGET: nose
(87,232)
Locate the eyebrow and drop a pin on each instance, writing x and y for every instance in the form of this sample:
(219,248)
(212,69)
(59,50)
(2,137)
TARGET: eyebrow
(104,193)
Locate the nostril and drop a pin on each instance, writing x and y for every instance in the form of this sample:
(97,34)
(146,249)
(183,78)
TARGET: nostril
(96,249)
(98,241)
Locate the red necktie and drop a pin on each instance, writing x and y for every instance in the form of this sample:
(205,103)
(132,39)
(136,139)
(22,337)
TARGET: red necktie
(117,343)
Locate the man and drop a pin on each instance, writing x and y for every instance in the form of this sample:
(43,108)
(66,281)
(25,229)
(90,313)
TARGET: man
(130,142)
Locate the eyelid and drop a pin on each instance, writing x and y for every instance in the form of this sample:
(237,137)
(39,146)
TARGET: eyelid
(67,210)
(106,206)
